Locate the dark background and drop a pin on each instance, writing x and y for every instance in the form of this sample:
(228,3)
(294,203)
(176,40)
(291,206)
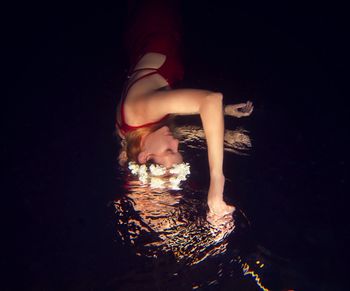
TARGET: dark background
(63,68)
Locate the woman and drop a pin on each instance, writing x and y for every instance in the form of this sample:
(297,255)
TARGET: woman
(153,43)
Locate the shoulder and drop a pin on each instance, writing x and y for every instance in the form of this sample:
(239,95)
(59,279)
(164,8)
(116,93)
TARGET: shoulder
(138,102)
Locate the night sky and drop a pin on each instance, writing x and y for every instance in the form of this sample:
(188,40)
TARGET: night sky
(64,66)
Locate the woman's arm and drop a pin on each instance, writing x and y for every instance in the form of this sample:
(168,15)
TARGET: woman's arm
(212,116)
(209,105)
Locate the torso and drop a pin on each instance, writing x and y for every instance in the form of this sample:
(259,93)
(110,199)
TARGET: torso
(145,85)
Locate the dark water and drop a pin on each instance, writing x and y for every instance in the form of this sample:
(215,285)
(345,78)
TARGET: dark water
(64,68)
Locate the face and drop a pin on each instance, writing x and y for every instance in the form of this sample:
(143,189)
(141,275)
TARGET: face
(161,147)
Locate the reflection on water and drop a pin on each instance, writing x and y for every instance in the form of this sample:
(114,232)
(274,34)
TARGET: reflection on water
(235,141)
(160,222)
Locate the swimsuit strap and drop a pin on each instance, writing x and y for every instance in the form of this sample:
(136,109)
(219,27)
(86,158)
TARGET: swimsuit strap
(154,71)
(123,123)
(141,69)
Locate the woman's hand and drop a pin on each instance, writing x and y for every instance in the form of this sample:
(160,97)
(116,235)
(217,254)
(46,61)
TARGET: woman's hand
(239,110)
(222,225)
(217,206)
(220,208)
(220,214)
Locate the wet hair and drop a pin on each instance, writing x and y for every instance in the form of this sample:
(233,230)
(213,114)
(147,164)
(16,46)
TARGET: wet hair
(133,141)
(131,145)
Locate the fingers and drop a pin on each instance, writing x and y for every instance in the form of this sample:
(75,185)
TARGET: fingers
(233,109)
(239,105)
(248,105)
(239,110)
(248,109)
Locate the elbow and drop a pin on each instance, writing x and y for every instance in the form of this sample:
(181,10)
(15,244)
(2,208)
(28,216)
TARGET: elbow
(220,96)
(215,98)
(212,101)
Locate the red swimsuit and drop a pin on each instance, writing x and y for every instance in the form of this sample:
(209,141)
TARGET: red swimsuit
(154,27)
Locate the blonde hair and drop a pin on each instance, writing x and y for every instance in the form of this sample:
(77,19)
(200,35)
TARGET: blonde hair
(131,145)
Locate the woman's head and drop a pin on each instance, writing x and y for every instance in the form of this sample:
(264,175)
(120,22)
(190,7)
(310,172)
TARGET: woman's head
(156,144)
(161,147)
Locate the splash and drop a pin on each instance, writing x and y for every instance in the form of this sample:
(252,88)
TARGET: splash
(159,221)
(157,176)
(159,217)
(156,216)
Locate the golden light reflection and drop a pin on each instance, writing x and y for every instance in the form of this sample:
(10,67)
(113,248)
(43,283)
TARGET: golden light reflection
(236,141)
(248,271)
(159,221)
(169,226)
